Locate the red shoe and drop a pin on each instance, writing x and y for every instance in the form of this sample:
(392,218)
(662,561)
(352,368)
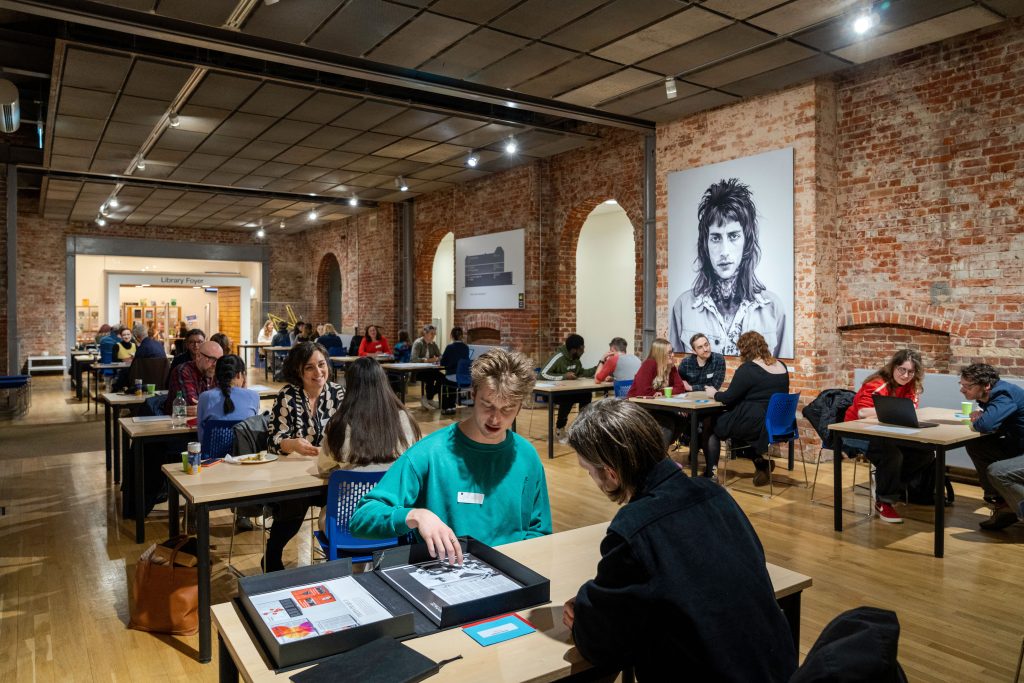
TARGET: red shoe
(887,513)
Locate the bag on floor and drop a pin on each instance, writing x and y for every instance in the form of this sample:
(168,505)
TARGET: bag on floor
(165,594)
(921,489)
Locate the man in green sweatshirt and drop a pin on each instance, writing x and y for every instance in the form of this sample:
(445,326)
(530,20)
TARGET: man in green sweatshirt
(566,364)
(475,478)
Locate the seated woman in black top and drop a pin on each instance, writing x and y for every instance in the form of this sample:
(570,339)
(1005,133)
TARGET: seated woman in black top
(760,376)
(455,351)
(664,598)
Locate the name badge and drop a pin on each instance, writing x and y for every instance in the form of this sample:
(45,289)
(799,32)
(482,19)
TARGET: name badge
(711,374)
(474,498)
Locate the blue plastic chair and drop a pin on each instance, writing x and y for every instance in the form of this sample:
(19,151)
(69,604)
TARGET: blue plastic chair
(345,488)
(218,438)
(780,423)
(621,387)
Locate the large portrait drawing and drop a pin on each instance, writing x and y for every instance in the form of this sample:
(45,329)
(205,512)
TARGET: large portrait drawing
(730,253)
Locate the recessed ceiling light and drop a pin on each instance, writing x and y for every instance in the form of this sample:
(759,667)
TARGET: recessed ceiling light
(282,225)
(511,147)
(103,210)
(113,203)
(864,23)
(141,164)
(472,160)
(174,120)
(401,184)
(312,214)
(353,201)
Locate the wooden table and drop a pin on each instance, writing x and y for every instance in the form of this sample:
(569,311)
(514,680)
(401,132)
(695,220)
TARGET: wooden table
(951,433)
(243,351)
(94,370)
(566,386)
(80,363)
(271,353)
(568,559)
(225,485)
(693,402)
(406,370)
(343,361)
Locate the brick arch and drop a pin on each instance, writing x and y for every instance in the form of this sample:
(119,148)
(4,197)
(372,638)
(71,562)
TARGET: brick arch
(320,304)
(564,317)
(881,312)
(489,320)
(423,271)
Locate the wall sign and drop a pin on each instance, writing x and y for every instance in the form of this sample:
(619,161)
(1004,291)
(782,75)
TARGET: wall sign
(490,271)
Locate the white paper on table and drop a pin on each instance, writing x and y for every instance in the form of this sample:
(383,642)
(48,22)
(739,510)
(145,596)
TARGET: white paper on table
(544,384)
(889,429)
(152,418)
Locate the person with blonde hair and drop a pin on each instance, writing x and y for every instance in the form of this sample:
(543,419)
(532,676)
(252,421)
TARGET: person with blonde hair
(651,579)
(756,379)
(656,374)
(473,478)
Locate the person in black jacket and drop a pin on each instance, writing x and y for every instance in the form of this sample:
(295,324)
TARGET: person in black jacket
(664,598)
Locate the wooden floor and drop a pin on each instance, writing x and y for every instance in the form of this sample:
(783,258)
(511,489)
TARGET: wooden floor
(66,560)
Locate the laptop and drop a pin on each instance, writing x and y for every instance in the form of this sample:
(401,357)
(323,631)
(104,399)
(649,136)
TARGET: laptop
(899,411)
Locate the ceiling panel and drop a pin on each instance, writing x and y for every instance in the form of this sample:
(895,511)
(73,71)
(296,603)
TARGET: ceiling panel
(408,122)
(367,143)
(568,76)
(800,14)
(242,125)
(223,91)
(91,104)
(743,9)
(210,12)
(939,28)
(419,40)
(520,66)
(473,53)
(262,149)
(537,18)
(610,87)
(139,110)
(222,144)
(288,131)
(79,127)
(485,135)
(291,21)
(664,35)
(299,155)
(156,80)
(95,70)
(786,76)
(702,51)
(648,98)
(323,107)
(839,33)
(751,64)
(448,129)
(611,21)
(678,108)
(201,119)
(358,26)
(367,115)
(275,99)
(404,148)
(439,153)
(472,10)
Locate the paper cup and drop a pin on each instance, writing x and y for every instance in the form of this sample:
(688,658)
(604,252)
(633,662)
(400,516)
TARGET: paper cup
(151,389)
(668,392)
(966,407)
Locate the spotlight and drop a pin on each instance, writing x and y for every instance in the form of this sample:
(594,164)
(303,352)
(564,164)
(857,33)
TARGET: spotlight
(472,160)
(401,184)
(141,164)
(353,201)
(113,203)
(282,225)
(261,233)
(101,221)
(174,120)
(103,210)
(864,23)
(670,87)
(511,147)
(312,214)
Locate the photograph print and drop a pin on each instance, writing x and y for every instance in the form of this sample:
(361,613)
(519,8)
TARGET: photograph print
(730,253)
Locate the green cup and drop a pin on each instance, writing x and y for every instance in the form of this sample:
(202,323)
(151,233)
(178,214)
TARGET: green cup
(151,389)
(184,462)
(668,392)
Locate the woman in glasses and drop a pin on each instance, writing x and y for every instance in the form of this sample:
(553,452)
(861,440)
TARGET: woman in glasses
(894,465)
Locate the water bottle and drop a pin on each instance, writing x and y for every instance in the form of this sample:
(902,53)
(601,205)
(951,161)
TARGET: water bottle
(178,414)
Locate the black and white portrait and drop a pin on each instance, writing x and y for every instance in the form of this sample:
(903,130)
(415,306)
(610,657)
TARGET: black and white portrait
(730,253)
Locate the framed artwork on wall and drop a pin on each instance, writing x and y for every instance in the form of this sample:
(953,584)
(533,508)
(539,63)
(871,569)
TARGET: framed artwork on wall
(730,253)
(490,271)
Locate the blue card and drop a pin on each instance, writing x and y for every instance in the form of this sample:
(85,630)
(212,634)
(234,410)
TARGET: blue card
(498,629)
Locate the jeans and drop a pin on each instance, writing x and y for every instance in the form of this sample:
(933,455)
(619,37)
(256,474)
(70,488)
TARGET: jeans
(895,466)
(1008,478)
(565,403)
(431,380)
(985,452)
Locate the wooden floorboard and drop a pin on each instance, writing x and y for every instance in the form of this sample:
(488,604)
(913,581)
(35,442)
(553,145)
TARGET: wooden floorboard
(67,560)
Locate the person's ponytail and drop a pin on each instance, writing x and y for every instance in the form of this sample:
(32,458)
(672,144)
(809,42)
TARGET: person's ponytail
(227,369)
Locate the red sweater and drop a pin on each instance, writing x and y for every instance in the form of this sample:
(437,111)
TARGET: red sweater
(641,386)
(865,398)
(368,347)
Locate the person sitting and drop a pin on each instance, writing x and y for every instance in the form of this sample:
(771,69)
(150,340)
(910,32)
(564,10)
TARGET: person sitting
(104,331)
(703,368)
(656,374)
(374,343)
(566,364)
(353,344)
(300,414)
(125,346)
(616,365)
(371,427)
(656,604)
(281,337)
(999,456)
(425,350)
(151,347)
(142,350)
(224,341)
(179,341)
(194,338)
(895,465)
(456,351)
(194,377)
(403,349)
(266,334)
(758,377)
(473,478)
(230,399)
(330,340)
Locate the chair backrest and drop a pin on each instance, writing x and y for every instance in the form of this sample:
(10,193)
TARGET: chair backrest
(107,352)
(462,375)
(345,488)
(252,434)
(218,437)
(780,418)
(154,405)
(337,351)
(622,387)
(150,371)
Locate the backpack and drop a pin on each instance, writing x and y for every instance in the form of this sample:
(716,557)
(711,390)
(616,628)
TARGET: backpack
(921,489)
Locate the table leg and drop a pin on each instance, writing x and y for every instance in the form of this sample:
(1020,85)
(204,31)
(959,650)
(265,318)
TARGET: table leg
(791,609)
(88,388)
(107,431)
(173,506)
(694,440)
(121,455)
(203,542)
(837,466)
(551,426)
(405,386)
(790,455)
(140,494)
(940,500)
(226,668)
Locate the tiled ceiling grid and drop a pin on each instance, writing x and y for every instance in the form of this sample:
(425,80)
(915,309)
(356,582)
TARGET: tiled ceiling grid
(245,132)
(608,54)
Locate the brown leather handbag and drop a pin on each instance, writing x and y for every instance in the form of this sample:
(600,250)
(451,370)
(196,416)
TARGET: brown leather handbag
(165,594)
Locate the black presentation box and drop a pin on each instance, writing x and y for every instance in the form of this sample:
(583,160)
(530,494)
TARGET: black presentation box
(403,599)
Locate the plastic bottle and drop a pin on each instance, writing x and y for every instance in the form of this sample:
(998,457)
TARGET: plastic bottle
(178,413)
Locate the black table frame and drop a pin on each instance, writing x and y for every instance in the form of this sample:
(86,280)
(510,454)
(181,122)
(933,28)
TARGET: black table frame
(550,395)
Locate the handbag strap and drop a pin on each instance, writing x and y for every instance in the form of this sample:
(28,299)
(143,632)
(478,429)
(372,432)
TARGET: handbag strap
(179,543)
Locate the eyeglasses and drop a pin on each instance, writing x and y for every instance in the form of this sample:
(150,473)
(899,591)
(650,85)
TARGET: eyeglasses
(905,372)
(968,385)
(212,359)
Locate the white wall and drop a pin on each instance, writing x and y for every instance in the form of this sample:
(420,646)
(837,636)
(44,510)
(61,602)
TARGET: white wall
(605,281)
(442,284)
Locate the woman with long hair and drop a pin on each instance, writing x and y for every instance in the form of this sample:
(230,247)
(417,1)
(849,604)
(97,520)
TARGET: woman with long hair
(656,374)
(374,342)
(266,334)
(756,379)
(895,465)
(231,399)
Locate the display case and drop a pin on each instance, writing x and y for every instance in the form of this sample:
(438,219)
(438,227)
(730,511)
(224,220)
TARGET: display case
(87,323)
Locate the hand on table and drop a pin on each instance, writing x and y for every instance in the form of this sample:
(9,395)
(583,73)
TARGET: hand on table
(976,414)
(570,375)
(710,391)
(299,446)
(569,613)
(686,386)
(440,539)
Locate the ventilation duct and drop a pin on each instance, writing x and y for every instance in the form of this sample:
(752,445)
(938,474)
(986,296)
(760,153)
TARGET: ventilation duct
(10,117)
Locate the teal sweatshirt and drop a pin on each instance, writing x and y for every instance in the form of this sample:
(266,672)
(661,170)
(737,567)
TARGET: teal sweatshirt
(433,472)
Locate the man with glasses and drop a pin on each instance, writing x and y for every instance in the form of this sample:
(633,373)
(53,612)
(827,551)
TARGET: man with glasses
(999,457)
(193,339)
(194,377)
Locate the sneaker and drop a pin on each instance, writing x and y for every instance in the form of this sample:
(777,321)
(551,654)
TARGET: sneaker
(562,435)
(1002,517)
(448,411)
(887,513)
(425,403)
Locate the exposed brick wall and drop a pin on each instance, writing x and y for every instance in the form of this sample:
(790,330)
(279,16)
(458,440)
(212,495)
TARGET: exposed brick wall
(871,346)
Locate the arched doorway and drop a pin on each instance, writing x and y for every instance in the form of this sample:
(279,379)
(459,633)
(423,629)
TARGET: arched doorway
(442,288)
(329,286)
(605,280)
